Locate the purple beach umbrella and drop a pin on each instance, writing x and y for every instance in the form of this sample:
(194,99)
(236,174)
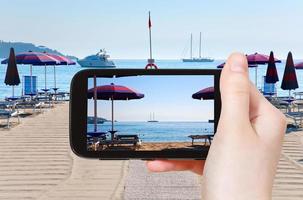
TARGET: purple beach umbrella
(222,65)
(34,59)
(299,65)
(62,61)
(205,94)
(112,92)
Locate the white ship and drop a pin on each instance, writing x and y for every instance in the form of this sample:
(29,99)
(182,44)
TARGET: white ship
(200,58)
(100,60)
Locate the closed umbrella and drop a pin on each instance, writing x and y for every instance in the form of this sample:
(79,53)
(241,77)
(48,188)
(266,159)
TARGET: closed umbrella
(12,76)
(289,81)
(258,59)
(113,93)
(271,73)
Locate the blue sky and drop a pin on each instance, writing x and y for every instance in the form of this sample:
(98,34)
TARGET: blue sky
(80,27)
(169,97)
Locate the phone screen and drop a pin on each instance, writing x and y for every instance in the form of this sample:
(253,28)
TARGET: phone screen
(150,113)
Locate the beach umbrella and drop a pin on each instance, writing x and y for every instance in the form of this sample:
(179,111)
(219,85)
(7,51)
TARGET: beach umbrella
(33,59)
(299,65)
(222,65)
(62,61)
(12,76)
(205,94)
(258,59)
(271,73)
(113,93)
(289,81)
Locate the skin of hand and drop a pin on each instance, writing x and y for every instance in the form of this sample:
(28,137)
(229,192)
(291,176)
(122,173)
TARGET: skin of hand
(244,154)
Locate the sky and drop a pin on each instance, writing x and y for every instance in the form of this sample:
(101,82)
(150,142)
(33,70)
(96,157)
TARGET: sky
(168,97)
(81,28)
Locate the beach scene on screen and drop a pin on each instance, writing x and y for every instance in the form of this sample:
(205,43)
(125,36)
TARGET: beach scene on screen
(150,113)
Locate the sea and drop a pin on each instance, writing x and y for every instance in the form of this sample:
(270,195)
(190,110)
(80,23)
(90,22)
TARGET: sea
(150,132)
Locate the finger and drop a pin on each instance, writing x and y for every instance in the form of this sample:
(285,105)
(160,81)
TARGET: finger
(195,166)
(235,88)
(263,114)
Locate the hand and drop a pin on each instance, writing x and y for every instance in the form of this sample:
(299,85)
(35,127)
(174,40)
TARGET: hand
(244,154)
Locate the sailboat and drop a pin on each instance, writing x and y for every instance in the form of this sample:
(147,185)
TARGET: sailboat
(200,59)
(152,118)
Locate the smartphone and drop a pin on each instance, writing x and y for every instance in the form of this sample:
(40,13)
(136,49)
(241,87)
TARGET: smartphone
(144,114)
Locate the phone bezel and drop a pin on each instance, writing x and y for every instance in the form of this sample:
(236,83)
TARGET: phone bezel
(78,113)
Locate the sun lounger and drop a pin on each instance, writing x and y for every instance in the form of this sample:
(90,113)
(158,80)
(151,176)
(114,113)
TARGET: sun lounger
(6,114)
(30,105)
(132,140)
(279,103)
(298,95)
(100,135)
(297,117)
(200,137)
(61,96)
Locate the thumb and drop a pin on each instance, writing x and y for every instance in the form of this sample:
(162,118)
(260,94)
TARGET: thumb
(235,90)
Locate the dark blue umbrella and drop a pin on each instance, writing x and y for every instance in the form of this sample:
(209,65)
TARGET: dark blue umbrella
(112,92)
(12,75)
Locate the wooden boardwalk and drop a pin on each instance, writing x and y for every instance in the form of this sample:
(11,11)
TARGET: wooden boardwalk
(36,163)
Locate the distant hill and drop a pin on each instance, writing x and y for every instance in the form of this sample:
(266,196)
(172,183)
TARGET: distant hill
(24,47)
(100,120)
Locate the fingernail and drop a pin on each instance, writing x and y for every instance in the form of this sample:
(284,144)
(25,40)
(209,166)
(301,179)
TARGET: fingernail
(237,66)
(237,62)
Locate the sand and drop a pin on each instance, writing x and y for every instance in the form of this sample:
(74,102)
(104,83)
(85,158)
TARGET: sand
(154,146)
(36,163)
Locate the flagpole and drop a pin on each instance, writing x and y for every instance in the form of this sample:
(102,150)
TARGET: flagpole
(150,38)
(150,61)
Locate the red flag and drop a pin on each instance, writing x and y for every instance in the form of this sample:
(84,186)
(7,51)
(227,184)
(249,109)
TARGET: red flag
(149,22)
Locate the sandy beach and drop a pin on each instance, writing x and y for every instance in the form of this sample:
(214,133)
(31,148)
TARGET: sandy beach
(154,146)
(36,163)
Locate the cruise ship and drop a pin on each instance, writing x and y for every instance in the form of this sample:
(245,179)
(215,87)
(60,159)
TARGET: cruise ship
(100,60)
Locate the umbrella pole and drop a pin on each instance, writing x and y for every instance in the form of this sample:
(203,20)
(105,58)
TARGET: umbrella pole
(289,108)
(31,75)
(95,105)
(256,77)
(112,119)
(45,78)
(55,85)
(13,91)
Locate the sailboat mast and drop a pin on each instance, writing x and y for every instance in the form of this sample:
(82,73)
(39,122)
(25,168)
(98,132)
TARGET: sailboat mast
(200,43)
(191,46)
